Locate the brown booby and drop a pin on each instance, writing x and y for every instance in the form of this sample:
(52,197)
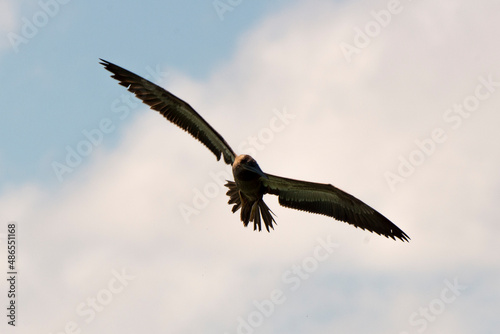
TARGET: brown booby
(250,182)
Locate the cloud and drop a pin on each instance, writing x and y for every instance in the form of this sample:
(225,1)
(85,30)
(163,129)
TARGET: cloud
(352,122)
(8,21)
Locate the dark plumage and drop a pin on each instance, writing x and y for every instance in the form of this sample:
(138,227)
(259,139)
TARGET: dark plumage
(251,183)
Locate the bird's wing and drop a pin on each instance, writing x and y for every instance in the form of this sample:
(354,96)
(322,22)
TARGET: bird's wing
(174,109)
(328,200)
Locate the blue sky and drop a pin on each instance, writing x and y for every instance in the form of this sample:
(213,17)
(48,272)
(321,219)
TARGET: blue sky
(53,66)
(393,101)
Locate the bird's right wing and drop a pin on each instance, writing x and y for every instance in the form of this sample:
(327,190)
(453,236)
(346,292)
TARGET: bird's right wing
(174,109)
(328,200)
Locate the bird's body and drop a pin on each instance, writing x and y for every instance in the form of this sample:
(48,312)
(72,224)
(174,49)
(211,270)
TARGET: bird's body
(247,190)
(247,174)
(250,182)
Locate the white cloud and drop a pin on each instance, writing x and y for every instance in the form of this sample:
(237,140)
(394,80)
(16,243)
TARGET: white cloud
(8,21)
(352,122)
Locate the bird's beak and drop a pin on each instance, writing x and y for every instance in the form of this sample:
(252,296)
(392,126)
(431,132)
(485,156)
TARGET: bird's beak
(256,169)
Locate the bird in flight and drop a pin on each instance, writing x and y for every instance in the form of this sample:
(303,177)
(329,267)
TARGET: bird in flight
(250,182)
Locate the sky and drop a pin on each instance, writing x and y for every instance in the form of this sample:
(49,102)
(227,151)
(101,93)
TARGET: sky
(120,219)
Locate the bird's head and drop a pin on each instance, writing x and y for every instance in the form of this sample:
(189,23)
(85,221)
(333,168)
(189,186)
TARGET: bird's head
(245,167)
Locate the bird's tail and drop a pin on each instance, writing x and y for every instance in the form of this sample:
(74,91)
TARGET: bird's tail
(255,211)
(234,195)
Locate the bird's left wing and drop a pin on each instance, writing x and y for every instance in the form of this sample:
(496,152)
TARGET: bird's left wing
(328,200)
(174,109)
